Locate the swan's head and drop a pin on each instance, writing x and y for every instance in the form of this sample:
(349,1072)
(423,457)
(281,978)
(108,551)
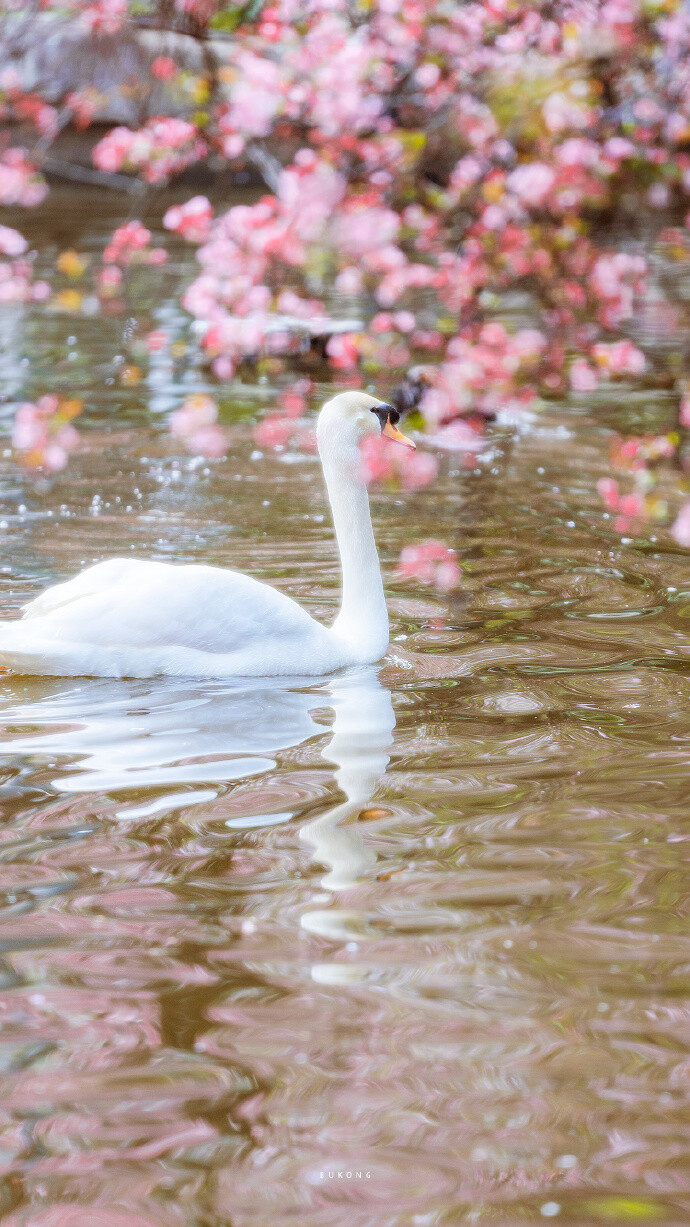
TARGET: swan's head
(350,417)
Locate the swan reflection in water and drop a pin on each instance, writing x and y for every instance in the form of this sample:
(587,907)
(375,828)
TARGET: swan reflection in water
(132,735)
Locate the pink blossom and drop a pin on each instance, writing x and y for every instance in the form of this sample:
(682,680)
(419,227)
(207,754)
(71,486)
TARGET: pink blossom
(427,75)
(274,432)
(163,147)
(532,183)
(365,101)
(310,190)
(44,434)
(494,217)
(680,530)
(192,220)
(381,322)
(631,505)
(466,173)
(418,469)
(256,96)
(12,243)
(578,151)
(109,280)
(561,110)
(127,243)
(55,457)
(349,282)
(104,16)
(20,182)
(365,229)
(157,339)
(582,376)
(447,575)
(343,351)
(164,67)
(620,357)
(83,104)
(619,147)
(292,403)
(223,367)
(385,461)
(196,423)
(459,436)
(658,195)
(209,440)
(432,562)
(608,491)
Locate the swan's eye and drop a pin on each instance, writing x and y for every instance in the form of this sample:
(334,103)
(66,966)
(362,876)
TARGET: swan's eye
(386,413)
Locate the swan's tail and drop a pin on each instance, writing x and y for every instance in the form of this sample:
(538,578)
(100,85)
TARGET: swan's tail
(23,651)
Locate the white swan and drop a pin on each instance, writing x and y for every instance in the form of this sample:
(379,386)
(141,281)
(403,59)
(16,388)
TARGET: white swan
(130,618)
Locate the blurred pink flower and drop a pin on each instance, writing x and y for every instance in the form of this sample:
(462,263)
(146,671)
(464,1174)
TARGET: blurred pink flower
(126,243)
(349,281)
(532,183)
(385,461)
(12,243)
(583,378)
(343,350)
(366,228)
(680,530)
(164,67)
(431,562)
(192,220)
(104,16)
(20,182)
(619,357)
(274,432)
(43,432)
(197,423)
(163,147)
(157,339)
(607,489)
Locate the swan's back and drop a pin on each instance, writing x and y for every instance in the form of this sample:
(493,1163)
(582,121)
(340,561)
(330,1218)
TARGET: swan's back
(134,617)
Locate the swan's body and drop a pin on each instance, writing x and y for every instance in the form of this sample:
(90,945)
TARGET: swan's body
(131,618)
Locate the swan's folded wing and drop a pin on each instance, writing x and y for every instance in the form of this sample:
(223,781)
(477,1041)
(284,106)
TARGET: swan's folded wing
(126,603)
(100,578)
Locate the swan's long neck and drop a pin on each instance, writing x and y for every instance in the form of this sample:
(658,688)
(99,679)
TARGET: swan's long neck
(363,617)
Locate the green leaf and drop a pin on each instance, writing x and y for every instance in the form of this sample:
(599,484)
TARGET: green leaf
(625,1209)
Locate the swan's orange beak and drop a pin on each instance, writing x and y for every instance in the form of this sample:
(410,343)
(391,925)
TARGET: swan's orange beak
(392,432)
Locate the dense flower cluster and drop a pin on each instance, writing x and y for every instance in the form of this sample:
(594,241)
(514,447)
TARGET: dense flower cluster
(440,162)
(20,182)
(163,147)
(130,244)
(532,150)
(16,274)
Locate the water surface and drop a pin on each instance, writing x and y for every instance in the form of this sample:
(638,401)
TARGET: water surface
(403,946)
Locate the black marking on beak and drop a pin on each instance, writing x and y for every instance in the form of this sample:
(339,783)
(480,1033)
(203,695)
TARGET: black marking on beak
(386,413)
